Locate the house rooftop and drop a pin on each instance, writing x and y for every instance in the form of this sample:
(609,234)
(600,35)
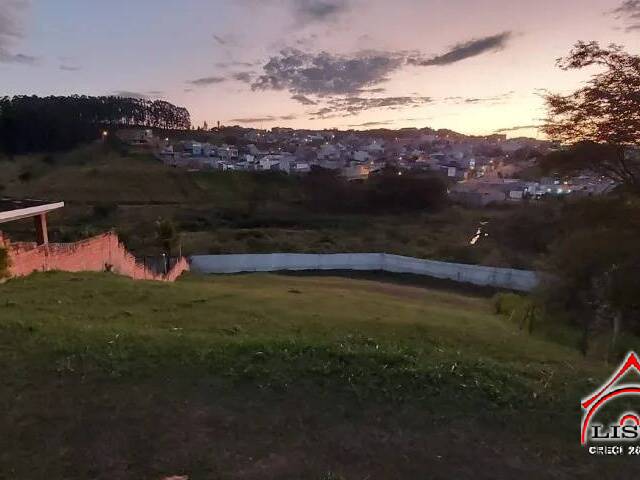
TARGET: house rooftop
(16,209)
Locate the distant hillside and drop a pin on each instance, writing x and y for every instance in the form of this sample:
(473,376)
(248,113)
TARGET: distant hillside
(234,212)
(98,173)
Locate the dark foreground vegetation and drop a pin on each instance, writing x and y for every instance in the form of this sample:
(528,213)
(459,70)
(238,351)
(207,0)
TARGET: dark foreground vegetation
(270,377)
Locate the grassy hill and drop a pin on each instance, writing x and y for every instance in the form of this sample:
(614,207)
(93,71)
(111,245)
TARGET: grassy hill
(230,212)
(268,376)
(101,173)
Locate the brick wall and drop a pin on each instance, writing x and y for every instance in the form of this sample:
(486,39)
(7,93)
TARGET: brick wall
(97,254)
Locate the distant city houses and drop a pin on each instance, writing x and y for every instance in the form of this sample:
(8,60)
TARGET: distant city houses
(480,170)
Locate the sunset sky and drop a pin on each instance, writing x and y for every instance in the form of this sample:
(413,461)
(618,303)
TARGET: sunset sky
(475,66)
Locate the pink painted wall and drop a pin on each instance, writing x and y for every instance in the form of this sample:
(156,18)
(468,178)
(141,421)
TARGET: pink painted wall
(97,254)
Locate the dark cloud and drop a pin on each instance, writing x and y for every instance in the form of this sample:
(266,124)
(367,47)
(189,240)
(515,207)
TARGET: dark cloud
(10,19)
(346,106)
(306,12)
(245,77)
(220,40)
(234,64)
(204,81)
(252,119)
(228,40)
(370,124)
(416,119)
(304,100)
(317,11)
(269,118)
(462,51)
(307,42)
(8,57)
(516,128)
(326,74)
(493,100)
(629,11)
(629,8)
(373,90)
(11,15)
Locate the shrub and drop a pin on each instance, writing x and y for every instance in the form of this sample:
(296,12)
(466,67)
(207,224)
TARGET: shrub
(215,248)
(595,276)
(529,229)
(389,191)
(49,159)
(458,253)
(250,234)
(104,210)
(519,308)
(4,263)
(167,236)
(506,303)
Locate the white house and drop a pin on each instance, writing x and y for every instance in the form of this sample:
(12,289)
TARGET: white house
(194,148)
(227,152)
(300,167)
(356,172)
(328,151)
(269,162)
(361,156)
(375,147)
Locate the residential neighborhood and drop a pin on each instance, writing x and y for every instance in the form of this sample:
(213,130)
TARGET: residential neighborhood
(479,170)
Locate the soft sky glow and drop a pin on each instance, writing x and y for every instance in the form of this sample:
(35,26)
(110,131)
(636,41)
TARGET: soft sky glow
(157,48)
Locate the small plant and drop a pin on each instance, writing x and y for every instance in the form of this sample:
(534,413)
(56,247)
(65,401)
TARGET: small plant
(166,235)
(518,308)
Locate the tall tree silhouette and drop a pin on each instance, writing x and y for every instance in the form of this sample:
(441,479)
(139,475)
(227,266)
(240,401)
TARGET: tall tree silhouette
(602,119)
(30,123)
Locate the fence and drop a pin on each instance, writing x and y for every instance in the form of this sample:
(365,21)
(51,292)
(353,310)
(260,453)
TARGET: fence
(508,278)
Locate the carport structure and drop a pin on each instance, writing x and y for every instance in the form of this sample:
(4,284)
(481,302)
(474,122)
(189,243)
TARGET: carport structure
(14,209)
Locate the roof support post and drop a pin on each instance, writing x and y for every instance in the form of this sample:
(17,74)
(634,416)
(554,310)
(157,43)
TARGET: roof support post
(42,235)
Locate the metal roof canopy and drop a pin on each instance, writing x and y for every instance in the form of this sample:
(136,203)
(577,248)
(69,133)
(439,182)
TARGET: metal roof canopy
(12,209)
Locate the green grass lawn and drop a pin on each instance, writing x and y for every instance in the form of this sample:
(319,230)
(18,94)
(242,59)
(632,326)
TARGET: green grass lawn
(284,377)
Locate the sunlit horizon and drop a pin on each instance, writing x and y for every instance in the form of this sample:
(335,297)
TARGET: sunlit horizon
(474,67)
